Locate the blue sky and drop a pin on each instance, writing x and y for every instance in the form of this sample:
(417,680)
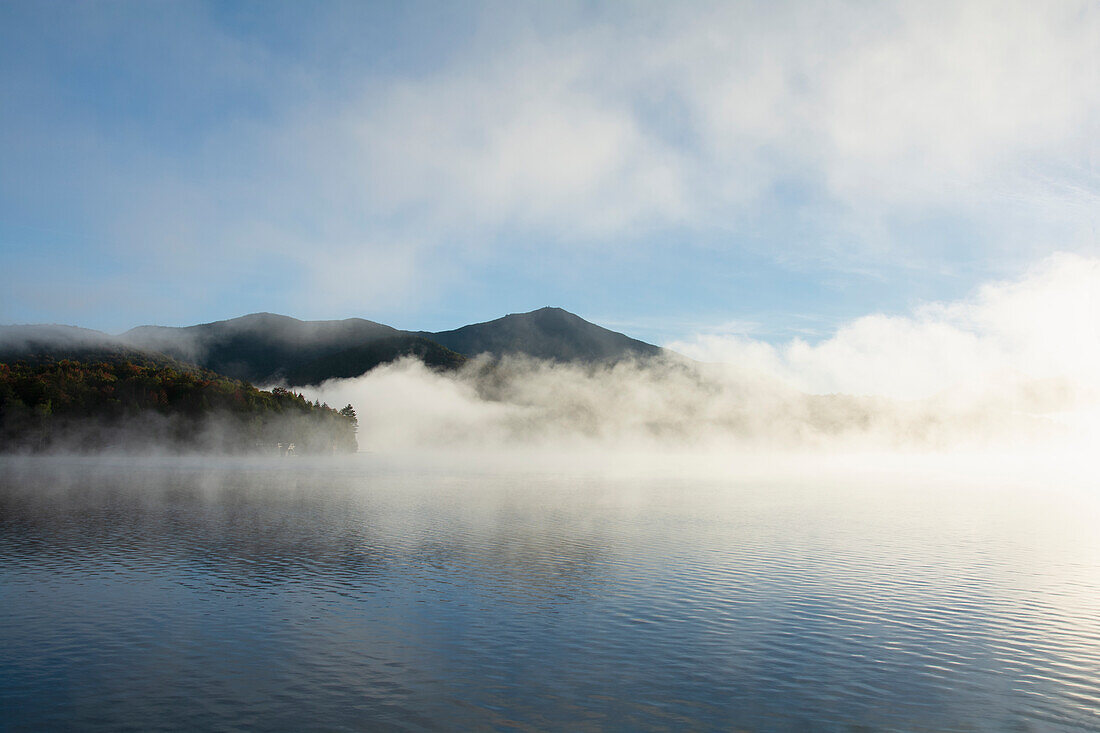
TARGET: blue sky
(769,169)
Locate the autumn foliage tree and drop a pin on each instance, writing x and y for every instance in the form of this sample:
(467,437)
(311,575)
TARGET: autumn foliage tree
(79,406)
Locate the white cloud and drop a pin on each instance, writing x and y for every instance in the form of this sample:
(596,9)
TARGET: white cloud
(528,144)
(1045,325)
(620,127)
(693,118)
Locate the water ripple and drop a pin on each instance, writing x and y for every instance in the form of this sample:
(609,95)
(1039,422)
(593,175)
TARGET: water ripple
(242,596)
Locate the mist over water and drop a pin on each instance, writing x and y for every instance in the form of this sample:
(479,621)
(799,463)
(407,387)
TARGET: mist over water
(1014,367)
(673,405)
(364,591)
(645,544)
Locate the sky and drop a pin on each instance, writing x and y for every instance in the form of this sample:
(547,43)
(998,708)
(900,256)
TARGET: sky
(726,177)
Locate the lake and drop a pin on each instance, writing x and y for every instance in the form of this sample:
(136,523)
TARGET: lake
(373,593)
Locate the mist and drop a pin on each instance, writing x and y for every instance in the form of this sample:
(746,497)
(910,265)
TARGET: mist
(1013,367)
(150,433)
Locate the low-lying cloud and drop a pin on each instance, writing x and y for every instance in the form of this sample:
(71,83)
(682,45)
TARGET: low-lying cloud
(1043,325)
(1016,364)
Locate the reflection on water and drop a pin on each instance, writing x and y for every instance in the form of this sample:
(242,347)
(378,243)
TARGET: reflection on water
(300,595)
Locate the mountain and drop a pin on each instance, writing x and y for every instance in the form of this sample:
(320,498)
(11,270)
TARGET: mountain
(265,348)
(547,333)
(40,344)
(364,357)
(262,347)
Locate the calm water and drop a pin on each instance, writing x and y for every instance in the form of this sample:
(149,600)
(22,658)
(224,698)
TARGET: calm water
(353,595)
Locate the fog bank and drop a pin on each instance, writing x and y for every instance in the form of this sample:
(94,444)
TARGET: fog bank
(1042,325)
(1014,366)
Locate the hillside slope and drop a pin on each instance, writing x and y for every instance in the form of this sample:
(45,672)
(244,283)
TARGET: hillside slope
(262,347)
(546,333)
(80,407)
(265,348)
(48,343)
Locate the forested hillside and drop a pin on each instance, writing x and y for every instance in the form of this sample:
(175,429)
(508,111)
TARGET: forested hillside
(125,405)
(265,348)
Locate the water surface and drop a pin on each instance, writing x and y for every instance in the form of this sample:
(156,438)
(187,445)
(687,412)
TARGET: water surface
(146,594)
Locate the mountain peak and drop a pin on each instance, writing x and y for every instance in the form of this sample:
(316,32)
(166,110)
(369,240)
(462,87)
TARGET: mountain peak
(547,333)
(268,347)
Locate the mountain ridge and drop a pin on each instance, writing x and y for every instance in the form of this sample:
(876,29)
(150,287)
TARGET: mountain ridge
(267,348)
(546,333)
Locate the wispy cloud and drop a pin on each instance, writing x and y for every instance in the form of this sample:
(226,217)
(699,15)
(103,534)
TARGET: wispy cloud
(833,136)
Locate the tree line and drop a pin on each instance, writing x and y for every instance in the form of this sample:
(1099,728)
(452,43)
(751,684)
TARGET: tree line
(128,405)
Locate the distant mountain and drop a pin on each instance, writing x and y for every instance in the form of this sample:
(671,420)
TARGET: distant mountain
(40,344)
(262,347)
(547,333)
(265,348)
(364,357)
